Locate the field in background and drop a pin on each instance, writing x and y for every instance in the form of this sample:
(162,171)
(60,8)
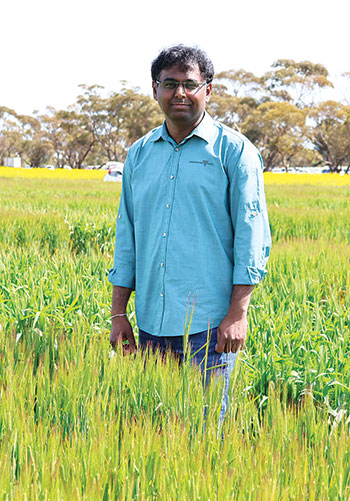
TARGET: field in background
(270,177)
(73,174)
(78,421)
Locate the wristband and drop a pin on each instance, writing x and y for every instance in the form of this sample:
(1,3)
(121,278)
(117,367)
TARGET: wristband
(118,315)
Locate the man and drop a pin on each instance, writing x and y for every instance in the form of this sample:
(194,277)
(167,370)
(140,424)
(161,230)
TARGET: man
(192,230)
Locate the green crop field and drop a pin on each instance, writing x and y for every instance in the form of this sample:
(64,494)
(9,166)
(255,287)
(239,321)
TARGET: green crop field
(79,421)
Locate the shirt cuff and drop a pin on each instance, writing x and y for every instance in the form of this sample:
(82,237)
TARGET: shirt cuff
(247,275)
(123,278)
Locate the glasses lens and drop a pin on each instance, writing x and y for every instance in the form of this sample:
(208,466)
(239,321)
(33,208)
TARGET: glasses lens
(189,86)
(169,84)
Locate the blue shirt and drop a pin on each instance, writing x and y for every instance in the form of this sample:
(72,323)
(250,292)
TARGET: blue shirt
(192,222)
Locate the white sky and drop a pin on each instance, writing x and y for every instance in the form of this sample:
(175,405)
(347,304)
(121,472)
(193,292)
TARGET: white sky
(49,47)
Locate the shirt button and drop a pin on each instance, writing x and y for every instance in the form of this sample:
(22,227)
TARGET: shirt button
(162,265)
(164,235)
(167,206)
(176,149)
(172,177)
(161,294)
(118,216)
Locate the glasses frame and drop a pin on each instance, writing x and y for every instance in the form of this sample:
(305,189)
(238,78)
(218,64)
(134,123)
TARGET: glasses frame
(177,84)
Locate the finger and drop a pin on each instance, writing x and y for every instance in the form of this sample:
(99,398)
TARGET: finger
(242,343)
(129,344)
(219,347)
(127,349)
(237,344)
(220,342)
(227,347)
(114,340)
(132,342)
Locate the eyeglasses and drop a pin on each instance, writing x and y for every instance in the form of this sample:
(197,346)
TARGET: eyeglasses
(190,86)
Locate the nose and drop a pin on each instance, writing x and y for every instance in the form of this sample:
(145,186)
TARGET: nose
(180,90)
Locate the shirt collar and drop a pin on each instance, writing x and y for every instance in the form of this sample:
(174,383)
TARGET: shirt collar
(204,130)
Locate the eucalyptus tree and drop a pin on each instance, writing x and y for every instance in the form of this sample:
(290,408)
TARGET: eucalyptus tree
(22,135)
(330,134)
(278,130)
(296,82)
(70,135)
(119,119)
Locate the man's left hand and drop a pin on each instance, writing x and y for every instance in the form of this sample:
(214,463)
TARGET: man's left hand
(231,334)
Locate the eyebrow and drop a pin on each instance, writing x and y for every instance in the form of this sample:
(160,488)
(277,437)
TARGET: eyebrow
(174,80)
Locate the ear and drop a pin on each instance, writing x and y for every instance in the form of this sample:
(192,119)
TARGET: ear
(154,87)
(209,88)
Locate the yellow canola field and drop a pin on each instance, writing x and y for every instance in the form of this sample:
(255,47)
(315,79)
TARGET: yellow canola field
(52,174)
(270,177)
(314,179)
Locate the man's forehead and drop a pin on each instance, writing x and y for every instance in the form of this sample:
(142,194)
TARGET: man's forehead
(181,69)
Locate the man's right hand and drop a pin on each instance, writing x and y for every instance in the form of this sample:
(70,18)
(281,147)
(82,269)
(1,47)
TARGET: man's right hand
(121,332)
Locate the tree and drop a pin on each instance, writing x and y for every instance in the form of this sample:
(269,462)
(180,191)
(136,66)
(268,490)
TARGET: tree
(70,134)
(296,82)
(21,135)
(119,119)
(78,136)
(231,110)
(8,135)
(330,133)
(236,94)
(278,129)
(241,83)
(34,149)
(345,88)
(54,135)
(142,114)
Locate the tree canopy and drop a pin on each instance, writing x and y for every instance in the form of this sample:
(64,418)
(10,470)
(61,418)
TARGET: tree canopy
(281,112)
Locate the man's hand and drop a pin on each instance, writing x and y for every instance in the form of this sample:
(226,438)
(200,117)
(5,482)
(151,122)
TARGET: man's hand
(232,331)
(121,332)
(231,335)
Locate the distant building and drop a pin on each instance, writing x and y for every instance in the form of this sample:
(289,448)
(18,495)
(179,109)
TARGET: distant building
(13,162)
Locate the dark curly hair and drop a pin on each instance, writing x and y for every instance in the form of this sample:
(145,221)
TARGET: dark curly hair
(184,57)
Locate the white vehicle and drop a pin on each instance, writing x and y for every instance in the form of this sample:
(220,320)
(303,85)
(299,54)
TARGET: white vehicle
(113,174)
(113,164)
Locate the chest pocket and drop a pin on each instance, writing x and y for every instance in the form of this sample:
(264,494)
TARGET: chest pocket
(203,173)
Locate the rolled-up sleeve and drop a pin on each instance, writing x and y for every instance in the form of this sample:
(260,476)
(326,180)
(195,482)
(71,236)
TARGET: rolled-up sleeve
(123,271)
(252,238)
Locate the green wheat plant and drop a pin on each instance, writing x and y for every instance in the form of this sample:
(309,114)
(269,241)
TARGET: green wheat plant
(80,421)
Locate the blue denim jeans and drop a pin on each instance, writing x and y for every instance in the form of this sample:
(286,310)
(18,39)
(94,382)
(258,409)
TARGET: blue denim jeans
(225,361)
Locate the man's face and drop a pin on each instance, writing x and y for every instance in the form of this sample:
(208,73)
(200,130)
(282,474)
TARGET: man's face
(182,107)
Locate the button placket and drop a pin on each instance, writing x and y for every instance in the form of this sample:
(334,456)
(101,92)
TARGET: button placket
(172,174)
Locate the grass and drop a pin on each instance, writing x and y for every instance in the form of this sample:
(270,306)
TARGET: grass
(94,426)
(77,420)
